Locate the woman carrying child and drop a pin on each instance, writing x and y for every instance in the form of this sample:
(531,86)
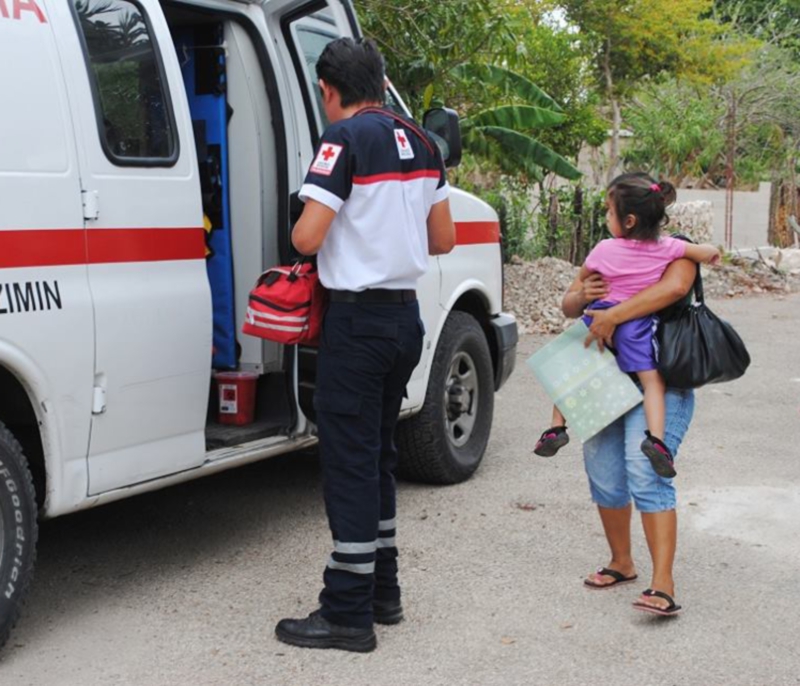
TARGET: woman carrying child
(621,469)
(635,258)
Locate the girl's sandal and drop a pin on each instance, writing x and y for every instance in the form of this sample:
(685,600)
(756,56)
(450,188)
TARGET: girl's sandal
(551,441)
(659,455)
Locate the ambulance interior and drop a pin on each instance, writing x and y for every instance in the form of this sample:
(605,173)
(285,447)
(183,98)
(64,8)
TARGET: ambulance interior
(236,148)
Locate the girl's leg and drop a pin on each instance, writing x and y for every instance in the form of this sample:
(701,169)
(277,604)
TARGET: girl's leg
(661,532)
(617,527)
(553,438)
(654,408)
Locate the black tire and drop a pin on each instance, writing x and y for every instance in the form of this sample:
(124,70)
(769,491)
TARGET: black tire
(444,443)
(18,531)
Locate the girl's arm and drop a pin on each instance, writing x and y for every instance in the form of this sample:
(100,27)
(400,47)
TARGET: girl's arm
(702,253)
(676,282)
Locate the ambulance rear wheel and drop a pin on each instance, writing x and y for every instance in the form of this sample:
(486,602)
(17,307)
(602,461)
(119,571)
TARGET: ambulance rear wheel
(18,530)
(444,443)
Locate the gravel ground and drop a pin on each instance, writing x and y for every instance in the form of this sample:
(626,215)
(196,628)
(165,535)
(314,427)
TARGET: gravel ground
(184,586)
(533,290)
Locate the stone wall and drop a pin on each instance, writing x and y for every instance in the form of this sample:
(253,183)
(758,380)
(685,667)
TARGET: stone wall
(694,219)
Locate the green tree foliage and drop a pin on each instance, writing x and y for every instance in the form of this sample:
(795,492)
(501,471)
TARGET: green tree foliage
(685,132)
(678,132)
(423,42)
(549,53)
(504,134)
(467,53)
(772,21)
(633,40)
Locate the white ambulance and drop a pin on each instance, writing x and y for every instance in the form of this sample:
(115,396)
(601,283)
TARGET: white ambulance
(149,152)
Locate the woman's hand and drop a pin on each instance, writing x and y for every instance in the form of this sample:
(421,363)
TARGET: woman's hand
(602,328)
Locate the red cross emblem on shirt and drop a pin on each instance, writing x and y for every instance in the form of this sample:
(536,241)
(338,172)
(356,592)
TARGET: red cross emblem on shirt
(328,153)
(401,139)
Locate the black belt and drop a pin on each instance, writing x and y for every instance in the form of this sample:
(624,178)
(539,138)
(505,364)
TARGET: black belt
(373,295)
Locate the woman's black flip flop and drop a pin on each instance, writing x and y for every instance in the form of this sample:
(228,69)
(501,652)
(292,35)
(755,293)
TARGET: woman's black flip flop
(668,611)
(619,579)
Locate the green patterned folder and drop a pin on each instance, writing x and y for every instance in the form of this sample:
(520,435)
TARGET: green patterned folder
(585,384)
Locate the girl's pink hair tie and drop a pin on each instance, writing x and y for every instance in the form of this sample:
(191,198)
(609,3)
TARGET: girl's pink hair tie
(655,188)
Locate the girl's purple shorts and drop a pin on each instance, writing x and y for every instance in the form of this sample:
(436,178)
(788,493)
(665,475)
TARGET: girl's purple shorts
(634,341)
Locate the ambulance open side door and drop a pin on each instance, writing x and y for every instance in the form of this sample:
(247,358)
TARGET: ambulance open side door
(306,29)
(145,242)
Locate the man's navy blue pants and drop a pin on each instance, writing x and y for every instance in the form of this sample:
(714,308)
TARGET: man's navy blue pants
(366,355)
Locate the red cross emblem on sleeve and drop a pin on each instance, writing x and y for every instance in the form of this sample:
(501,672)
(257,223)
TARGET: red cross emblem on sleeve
(326,160)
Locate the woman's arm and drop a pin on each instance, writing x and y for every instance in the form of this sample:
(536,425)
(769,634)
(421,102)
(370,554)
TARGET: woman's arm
(676,282)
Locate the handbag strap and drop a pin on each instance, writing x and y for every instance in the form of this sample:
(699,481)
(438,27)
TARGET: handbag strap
(699,295)
(697,286)
(401,120)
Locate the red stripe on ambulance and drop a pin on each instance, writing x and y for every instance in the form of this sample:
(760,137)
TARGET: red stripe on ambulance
(474,233)
(145,245)
(65,247)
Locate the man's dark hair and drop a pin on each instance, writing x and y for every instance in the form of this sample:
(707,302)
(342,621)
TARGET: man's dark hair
(354,68)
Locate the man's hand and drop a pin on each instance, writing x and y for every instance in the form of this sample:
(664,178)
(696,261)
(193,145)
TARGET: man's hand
(602,328)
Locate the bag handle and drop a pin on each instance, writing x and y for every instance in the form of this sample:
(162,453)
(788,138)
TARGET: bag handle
(402,120)
(271,275)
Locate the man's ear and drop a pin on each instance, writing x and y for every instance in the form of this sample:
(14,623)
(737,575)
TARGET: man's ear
(326,90)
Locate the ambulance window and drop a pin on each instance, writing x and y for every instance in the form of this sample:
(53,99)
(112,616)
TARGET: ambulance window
(134,113)
(310,34)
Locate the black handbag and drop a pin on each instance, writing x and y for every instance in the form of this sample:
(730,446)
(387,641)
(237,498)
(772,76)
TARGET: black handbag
(696,347)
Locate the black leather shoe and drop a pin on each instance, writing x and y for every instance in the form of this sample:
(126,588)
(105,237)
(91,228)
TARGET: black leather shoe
(317,632)
(387,611)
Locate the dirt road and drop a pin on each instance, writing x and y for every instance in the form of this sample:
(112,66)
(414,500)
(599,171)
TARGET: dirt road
(184,586)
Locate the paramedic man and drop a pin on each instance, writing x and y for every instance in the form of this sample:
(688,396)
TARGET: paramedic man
(376,205)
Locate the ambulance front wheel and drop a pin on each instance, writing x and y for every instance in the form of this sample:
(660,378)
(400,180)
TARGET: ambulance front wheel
(444,443)
(18,530)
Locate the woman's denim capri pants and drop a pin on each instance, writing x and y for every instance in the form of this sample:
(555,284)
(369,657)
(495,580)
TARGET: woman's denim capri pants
(617,467)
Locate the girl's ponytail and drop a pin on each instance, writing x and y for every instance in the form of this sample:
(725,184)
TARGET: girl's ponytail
(668,192)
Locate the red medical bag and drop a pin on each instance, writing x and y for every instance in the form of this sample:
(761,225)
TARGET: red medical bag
(286,305)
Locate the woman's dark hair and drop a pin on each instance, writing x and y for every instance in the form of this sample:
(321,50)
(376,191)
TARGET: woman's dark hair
(646,199)
(355,68)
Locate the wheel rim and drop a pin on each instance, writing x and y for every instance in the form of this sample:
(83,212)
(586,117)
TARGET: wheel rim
(461,395)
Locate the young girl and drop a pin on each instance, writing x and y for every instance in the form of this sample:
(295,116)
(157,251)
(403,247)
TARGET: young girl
(632,260)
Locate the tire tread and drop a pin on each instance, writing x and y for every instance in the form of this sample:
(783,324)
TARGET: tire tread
(15,453)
